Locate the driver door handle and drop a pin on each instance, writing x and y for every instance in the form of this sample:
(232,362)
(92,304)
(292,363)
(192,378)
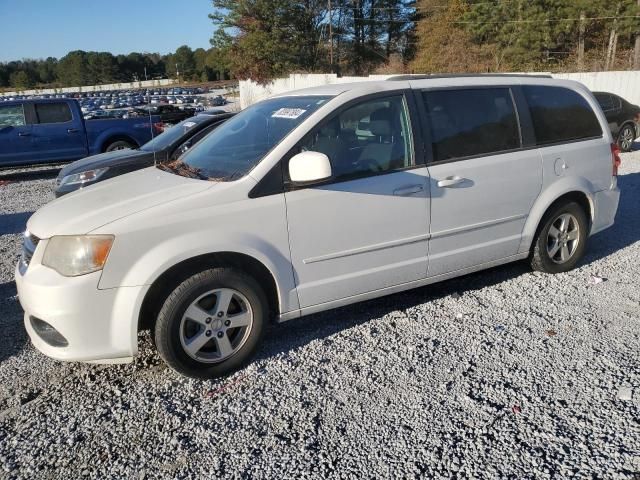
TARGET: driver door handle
(450,182)
(72,130)
(410,190)
(23,134)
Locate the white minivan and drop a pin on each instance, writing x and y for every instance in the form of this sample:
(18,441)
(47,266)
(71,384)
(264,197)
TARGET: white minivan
(315,199)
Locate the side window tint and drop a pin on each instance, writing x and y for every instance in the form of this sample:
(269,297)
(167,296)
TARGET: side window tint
(11,116)
(605,101)
(53,112)
(471,122)
(560,115)
(371,137)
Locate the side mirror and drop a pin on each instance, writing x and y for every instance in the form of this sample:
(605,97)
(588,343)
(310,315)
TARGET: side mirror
(309,167)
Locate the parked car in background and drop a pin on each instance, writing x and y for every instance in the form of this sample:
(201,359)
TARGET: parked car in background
(167,113)
(284,211)
(217,101)
(54,130)
(623,118)
(170,144)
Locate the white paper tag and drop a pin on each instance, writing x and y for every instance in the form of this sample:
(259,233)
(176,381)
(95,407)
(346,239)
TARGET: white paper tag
(188,124)
(288,113)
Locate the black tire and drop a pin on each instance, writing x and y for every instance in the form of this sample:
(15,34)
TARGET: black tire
(167,331)
(540,258)
(118,145)
(626,137)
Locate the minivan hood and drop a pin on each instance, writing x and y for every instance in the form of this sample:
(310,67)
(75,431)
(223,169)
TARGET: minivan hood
(92,207)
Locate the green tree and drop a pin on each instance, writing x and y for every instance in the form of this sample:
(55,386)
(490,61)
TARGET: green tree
(20,80)
(72,69)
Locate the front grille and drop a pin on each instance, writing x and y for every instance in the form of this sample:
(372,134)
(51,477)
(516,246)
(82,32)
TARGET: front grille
(29,245)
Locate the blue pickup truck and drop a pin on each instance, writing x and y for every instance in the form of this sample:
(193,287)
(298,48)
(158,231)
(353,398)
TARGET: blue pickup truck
(54,130)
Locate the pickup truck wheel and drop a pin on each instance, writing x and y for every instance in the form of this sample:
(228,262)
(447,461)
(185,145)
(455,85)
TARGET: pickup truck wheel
(561,241)
(118,145)
(212,323)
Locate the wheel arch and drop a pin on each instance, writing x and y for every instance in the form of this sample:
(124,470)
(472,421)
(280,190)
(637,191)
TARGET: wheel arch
(170,278)
(116,138)
(579,194)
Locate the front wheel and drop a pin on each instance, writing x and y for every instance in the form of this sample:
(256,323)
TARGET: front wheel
(212,323)
(561,241)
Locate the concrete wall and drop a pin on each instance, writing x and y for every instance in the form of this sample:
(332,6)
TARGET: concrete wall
(626,84)
(96,88)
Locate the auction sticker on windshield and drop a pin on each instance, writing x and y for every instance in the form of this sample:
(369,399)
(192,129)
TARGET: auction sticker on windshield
(288,113)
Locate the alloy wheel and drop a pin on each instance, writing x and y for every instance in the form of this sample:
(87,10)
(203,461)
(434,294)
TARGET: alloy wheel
(563,238)
(216,325)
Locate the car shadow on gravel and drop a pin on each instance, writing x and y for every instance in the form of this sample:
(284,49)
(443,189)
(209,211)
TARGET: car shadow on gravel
(626,229)
(14,336)
(11,223)
(296,333)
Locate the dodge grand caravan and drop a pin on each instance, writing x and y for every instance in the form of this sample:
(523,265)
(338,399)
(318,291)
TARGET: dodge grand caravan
(315,199)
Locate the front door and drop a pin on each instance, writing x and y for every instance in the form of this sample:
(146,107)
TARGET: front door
(15,136)
(366,229)
(483,183)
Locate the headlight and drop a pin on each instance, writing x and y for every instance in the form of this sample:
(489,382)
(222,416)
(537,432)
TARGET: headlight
(77,255)
(81,178)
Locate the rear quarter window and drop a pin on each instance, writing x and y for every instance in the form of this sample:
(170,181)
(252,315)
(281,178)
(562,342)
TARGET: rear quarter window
(53,112)
(560,115)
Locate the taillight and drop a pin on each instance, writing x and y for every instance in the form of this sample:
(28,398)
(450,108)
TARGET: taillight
(158,127)
(615,158)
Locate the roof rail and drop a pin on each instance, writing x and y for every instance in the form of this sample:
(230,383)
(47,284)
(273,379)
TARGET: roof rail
(463,75)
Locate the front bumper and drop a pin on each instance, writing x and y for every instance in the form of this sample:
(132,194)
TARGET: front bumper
(100,326)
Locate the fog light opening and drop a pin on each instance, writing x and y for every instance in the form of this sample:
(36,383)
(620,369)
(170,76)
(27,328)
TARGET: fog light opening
(47,333)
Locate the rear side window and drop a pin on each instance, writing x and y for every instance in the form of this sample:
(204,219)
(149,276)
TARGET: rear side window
(471,122)
(560,115)
(53,112)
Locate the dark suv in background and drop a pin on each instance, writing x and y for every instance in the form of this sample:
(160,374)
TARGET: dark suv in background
(622,117)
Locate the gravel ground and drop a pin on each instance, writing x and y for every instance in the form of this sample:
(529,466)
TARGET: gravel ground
(501,374)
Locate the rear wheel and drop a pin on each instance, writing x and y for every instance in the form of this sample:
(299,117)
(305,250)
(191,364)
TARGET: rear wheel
(561,241)
(212,323)
(118,145)
(626,137)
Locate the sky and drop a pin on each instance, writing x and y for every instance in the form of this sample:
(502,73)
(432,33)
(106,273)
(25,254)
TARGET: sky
(52,28)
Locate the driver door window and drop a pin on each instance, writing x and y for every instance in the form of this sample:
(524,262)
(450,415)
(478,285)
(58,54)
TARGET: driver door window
(369,138)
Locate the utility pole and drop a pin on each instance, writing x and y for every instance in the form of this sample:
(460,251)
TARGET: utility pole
(581,42)
(177,73)
(331,38)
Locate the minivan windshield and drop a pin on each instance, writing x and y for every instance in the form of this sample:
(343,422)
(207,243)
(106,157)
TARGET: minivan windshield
(234,148)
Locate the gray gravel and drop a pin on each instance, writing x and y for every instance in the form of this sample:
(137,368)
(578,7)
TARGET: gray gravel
(501,374)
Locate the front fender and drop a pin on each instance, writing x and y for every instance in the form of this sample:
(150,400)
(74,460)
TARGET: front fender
(549,195)
(146,268)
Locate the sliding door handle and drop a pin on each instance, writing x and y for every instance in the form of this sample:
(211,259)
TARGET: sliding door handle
(451,182)
(24,134)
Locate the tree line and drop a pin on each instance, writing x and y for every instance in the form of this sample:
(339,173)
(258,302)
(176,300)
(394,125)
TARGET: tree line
(79,68)
(263,39)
